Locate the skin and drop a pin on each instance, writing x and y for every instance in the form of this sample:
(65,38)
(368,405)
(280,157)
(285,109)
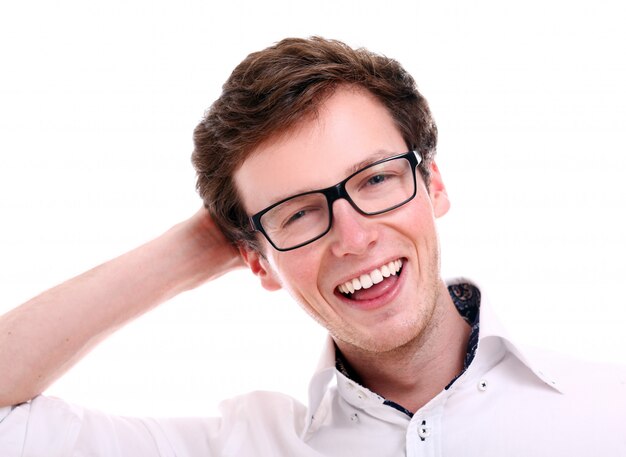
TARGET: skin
(410,322)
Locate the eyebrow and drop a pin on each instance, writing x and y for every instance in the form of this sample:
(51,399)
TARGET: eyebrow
(375,157)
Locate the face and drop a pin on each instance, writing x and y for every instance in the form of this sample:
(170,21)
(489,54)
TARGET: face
(352,130)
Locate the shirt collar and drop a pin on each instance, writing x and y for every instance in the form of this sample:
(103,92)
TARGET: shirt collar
(491,334)
(492,329)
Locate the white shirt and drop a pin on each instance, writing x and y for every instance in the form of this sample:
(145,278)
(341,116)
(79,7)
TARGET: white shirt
(509,402)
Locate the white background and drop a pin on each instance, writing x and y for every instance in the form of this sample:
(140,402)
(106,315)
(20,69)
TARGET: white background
(98,101)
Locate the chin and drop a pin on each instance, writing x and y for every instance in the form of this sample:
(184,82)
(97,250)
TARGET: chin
(387,339)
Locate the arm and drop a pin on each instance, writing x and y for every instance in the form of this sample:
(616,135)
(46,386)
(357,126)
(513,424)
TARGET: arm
(41,339)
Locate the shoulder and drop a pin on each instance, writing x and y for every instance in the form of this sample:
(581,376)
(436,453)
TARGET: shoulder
(265,406)
(576,376)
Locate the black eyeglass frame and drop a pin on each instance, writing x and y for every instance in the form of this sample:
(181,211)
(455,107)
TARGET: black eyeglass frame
(336,192)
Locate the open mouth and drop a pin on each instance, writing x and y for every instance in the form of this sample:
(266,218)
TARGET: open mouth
(370,284)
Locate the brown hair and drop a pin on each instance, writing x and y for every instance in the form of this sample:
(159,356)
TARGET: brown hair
(271,91)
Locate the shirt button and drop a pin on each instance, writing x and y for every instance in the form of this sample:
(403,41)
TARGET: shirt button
(423,432)
(482,385)
(362,395)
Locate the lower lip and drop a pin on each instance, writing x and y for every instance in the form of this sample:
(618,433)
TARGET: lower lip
(388,295)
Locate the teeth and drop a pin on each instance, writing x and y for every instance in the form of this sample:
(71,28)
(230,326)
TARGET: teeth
(377,276)
(366,281)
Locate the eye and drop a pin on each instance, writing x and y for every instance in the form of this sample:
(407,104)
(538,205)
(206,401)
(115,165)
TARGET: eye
(300,216)
(377,179)
(377,182)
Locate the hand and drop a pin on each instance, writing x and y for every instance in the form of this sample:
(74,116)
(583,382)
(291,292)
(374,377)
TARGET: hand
(221,255)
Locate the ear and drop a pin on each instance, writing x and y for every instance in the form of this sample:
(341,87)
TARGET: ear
(259,265)
(438,192)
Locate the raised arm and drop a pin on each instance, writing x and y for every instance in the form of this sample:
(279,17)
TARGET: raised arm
(41,339)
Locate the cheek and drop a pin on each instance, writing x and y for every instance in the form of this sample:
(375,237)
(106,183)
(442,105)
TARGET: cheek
(417,227)
(415,220)
(422,214)
(299,271)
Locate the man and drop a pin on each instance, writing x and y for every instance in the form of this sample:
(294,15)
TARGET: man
(317,168)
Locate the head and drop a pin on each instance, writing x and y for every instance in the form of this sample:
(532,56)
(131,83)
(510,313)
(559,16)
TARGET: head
(274,90)
(299,116)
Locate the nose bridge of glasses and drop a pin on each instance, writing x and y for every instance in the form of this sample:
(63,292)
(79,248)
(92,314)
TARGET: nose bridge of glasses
(351,232)
(339,192)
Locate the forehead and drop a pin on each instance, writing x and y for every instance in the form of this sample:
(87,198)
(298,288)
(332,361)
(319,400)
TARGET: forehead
(352,128)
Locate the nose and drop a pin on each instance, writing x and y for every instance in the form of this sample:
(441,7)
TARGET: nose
(352,232)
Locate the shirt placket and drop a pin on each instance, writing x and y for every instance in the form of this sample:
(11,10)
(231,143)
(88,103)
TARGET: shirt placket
(424,434)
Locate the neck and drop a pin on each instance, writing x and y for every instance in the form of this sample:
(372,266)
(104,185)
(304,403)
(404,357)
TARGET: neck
(411,375)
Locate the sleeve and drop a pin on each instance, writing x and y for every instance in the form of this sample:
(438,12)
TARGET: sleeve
(50,427)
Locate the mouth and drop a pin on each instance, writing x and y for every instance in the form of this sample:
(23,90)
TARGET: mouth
(373,284)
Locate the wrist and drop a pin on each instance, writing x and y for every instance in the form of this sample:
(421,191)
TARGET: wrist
(201,250)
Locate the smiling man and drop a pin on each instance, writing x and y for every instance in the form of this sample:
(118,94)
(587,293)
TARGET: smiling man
(371,279)
(317,168)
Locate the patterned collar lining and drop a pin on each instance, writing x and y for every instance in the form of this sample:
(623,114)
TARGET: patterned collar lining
(466,298)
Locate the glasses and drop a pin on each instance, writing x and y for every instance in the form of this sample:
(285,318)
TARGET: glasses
(377,188)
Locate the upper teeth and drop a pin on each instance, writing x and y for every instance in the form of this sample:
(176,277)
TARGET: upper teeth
(365,281)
